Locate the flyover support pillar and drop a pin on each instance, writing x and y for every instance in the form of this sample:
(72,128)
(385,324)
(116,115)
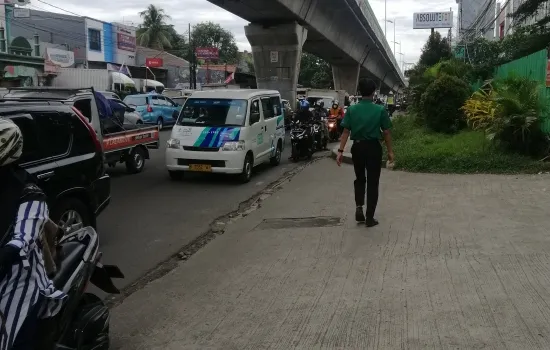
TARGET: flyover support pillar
(277,52)
(346,77)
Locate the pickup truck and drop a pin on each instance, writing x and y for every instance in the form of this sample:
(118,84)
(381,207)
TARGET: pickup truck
(129,145)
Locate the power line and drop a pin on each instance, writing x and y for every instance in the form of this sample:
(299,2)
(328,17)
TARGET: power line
(59,8)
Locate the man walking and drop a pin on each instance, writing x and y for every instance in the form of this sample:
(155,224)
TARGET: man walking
(366,122)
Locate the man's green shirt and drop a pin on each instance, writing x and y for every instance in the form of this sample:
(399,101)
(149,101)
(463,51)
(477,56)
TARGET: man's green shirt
(366,120)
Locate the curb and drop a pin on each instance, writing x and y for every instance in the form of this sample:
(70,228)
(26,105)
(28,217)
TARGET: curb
(347,157)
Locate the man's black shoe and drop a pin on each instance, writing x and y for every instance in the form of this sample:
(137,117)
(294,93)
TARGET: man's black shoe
(359,216)
(371,222)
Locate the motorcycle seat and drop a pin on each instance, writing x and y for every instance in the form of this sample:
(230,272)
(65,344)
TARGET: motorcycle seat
(71,256)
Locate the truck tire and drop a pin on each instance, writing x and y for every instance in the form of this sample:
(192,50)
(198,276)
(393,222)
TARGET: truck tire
(135,161)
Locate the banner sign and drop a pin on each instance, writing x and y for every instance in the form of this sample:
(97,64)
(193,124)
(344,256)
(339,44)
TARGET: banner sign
(61,58)
(155,62)
(428,20)
(126,42)
(207,53)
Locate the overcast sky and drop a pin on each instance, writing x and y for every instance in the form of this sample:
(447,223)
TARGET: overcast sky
(194,11)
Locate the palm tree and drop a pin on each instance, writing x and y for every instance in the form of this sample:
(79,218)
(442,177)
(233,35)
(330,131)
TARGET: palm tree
(154,32)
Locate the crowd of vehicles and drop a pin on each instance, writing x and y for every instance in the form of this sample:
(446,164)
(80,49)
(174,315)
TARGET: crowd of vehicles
(70,135)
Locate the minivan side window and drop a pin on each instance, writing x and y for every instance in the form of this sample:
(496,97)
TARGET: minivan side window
(267,107)
(276,105)
(255,112)
(54,133)
(31,148)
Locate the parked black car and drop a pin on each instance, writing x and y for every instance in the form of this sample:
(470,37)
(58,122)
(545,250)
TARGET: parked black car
(63,152)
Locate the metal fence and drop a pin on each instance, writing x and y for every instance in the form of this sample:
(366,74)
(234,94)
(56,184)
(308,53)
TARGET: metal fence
(534,68)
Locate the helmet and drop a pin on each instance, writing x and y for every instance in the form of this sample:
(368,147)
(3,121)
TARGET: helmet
(304,104)
(11,142)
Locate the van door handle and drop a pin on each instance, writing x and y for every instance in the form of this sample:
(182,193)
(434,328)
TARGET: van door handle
(46,175)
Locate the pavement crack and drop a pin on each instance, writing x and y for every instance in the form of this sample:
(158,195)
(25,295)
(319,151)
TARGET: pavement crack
(216,228)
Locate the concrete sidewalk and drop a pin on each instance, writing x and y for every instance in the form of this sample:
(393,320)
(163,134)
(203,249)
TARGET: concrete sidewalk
(457,262)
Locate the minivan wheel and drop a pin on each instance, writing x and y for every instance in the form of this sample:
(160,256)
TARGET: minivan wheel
(71,214)
(160,123)
(246,175)
(135,161)
(277,158)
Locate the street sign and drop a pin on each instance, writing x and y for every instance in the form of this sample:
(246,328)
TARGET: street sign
(274,56)
(428,20)
(21,12)
(154,62)
(207,53)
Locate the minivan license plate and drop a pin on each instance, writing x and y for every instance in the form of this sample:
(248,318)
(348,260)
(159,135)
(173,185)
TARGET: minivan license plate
(200,167)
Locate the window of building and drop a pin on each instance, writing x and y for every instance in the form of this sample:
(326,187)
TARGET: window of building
(94,39)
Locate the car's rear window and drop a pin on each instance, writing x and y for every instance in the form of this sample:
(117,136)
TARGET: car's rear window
(136,100)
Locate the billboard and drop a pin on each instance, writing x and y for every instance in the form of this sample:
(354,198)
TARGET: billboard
(207,53)
(126,42)
(428,20)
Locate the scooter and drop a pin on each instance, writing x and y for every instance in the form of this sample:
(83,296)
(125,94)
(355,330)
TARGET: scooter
(301,139)
(83,322)
(333,132)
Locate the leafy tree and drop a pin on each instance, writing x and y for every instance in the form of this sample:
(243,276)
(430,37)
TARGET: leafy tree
(209,34)
(435,49)
(315,72)
(180,46)
(154,32)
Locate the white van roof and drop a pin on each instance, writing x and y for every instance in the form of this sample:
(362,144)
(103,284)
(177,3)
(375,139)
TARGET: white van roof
(236,94)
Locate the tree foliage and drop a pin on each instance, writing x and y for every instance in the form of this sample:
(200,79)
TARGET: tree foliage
(315,72)
(209,34)
(154,32)
(179,44)
(435,50)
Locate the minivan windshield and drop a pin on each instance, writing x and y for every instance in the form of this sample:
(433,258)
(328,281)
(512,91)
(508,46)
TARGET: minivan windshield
(213,112)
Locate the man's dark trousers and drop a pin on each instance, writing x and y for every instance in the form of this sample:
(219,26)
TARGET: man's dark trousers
(367,155)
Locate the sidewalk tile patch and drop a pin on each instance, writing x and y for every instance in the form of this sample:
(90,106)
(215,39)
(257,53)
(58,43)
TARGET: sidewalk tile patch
(283,223)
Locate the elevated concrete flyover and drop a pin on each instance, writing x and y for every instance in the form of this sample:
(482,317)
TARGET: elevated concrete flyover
(343,32)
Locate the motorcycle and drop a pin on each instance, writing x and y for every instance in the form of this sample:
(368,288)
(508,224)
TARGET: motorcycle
(320,140)
(301,139)
(333,132)
(83,322)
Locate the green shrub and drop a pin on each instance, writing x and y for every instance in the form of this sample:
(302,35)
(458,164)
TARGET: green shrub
(514,120)
(441,103)
(419,150)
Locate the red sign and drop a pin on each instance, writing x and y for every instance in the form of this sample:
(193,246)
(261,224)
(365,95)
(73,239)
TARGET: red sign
(132,139)
(126,42)
(207,53)
(154,62)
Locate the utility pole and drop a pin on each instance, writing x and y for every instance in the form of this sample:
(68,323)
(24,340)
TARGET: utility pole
(385,16)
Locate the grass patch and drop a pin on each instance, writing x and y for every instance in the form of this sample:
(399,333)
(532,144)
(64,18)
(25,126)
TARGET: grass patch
(419,150)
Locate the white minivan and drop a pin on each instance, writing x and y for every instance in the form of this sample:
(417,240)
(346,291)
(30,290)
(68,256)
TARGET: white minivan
(227,131)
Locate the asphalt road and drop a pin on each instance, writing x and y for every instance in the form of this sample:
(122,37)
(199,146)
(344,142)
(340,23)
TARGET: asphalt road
(151,217)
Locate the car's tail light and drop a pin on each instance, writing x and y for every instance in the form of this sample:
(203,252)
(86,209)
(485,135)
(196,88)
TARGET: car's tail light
(90,128)
(149,109)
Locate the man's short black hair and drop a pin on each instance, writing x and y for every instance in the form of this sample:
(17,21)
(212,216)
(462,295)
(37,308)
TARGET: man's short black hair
(367,87)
